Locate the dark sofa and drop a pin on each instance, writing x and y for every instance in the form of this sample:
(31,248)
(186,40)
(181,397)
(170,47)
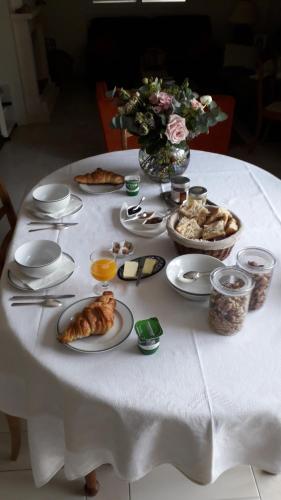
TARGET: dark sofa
(121,50)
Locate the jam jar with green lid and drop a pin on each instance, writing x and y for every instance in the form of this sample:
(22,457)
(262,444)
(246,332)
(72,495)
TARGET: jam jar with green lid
(259,263)
(229,299)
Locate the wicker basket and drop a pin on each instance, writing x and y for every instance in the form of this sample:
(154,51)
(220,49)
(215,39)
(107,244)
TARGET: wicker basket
(219,249)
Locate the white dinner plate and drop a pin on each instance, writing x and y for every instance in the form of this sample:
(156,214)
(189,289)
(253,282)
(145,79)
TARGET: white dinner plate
(75,204)
(122,327)
(100,188)
(19,285)
(139,229)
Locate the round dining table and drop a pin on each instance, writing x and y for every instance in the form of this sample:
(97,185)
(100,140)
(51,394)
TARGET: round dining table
(203,402)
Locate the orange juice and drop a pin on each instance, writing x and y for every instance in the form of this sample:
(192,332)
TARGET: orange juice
(104,269)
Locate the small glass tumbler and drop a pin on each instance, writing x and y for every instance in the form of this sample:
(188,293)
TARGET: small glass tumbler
(229,300)
(259,263)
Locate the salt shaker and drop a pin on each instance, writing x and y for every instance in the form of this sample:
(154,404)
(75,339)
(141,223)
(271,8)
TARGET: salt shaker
(198,193)
(259,263)
(229,300)
(179,188)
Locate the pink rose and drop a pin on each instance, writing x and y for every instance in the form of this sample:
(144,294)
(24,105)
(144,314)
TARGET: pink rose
(196,104)
(176,130)
(161,101)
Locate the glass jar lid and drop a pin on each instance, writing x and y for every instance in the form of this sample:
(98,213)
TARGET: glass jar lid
(231,280)
(255,260)
(198,191)
(180,181)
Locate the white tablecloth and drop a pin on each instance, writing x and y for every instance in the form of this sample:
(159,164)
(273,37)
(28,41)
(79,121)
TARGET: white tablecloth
(203,402)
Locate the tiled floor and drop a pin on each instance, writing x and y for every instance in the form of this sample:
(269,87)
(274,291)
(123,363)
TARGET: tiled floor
(32,153)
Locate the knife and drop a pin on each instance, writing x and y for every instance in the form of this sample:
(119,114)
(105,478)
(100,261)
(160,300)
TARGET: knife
(27,297)
(51,223)
(139,273)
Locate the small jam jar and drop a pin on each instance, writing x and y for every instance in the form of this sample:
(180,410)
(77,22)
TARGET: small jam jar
(198,193)
(179,188)
(259,263)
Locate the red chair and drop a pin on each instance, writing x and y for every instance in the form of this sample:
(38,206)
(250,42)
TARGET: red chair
(115,139)
(218,138)
(217,141)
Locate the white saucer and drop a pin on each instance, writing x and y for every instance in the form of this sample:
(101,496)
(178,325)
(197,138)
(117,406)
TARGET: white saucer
(139,229)
(75,204)
(19,285)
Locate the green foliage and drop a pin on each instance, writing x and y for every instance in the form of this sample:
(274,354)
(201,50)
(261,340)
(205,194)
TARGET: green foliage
(147,111)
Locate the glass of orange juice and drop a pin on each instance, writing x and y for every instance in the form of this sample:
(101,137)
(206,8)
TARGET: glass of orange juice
(103,269)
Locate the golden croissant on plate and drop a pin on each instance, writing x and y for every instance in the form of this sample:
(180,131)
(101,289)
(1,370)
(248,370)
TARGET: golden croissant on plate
(95,319)
(100,176)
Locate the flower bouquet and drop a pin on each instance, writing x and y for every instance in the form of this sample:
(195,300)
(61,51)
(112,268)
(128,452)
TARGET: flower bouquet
(165,116)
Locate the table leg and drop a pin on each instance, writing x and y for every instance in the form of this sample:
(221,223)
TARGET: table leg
(92,485)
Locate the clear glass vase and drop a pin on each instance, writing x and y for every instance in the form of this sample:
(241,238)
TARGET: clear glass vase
(166,163)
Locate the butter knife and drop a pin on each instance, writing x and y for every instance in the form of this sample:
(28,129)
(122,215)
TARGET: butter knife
(27,297)
(139,273)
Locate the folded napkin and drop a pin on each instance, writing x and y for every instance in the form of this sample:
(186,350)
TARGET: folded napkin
(66,267)
(74,204)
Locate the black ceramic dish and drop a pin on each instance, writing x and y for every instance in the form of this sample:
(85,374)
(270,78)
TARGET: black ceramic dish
(160,264)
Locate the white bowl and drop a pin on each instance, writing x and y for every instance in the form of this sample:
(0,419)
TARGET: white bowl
(38,258)
(51,198)
(196,290)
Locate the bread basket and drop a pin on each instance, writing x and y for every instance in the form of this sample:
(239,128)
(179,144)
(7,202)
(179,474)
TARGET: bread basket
(219,248)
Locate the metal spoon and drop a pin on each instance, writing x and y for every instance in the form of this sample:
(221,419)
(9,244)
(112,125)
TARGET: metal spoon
(140,217)
(195,275)
(56,225)
(44,303)
(134,209)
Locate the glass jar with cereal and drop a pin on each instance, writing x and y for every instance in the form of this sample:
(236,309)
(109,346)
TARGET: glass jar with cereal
(259,263)
(229,300)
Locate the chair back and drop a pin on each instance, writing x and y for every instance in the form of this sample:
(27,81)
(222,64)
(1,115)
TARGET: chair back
(115,139)
(218,138)
(6,210)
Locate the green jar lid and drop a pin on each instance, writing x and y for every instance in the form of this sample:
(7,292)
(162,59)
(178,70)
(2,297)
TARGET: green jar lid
(148,330)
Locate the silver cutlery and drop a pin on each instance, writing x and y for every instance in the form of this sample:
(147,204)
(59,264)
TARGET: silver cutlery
(195,275)
(51,223)
(57,225)
(139,273)
(44,303)
(43,297)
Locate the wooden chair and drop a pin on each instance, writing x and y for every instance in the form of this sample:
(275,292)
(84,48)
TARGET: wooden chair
(7,210)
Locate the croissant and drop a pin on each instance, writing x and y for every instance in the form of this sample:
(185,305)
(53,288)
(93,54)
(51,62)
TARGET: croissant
(95,319)
(100,176)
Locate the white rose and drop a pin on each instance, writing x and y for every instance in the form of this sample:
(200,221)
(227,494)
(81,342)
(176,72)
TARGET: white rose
(206,100)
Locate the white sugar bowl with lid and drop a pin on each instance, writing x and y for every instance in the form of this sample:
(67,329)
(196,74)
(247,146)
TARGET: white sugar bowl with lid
(38,258)
(51,198)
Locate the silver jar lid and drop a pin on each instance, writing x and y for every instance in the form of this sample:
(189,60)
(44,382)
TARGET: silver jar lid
(180,181)
(198,191)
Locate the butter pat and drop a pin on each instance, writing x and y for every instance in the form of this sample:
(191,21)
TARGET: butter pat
(130,269)
(148,266)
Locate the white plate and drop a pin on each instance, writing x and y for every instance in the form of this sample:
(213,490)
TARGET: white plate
(199,289)
(139,229)
(100,188)
(19,285)
(75,204)
(123,325)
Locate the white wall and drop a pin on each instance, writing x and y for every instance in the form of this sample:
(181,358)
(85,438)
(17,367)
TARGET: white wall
(9,72)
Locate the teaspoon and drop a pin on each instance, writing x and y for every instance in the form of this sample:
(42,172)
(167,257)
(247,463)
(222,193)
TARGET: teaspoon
(195,275)
(44,303)
(56,225)
(134,209)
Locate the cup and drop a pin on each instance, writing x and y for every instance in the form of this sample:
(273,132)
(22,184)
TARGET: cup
(132,183)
